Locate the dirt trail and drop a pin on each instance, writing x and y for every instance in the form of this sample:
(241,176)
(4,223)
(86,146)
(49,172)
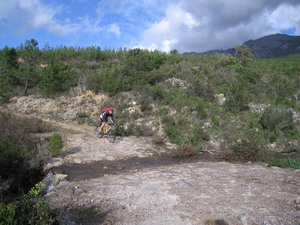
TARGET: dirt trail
(82,146)
(119,184)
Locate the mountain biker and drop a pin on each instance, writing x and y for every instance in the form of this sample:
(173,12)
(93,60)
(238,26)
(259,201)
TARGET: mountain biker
(106,114)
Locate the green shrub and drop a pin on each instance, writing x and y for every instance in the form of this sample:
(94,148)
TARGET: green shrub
(248,145)
(157,92)
(277,118)
(8,214)
(288,103)
(12,157)
(83,118)
(274,136)
(17,146)
(216,121)
(182,133)
(245,151)
(130,130)
(56,78)
(138,130)
(29,210)
(55,144)
(239,95)
(285,163)
(292,133)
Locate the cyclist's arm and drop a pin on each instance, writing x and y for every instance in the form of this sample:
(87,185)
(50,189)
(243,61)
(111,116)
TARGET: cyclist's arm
(112,118)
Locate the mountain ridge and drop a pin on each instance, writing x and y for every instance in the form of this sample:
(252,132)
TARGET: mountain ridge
(270,46)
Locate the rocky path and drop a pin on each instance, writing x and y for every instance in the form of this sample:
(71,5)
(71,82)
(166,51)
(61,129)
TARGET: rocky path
(102,189)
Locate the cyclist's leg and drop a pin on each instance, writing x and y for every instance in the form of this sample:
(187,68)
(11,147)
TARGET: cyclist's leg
(102,123)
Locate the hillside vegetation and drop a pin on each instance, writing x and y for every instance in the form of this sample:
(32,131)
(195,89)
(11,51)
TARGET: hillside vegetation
(247,105)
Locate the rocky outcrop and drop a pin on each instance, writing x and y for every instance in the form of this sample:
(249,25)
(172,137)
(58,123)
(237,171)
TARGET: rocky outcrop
(189,193)
(178,82)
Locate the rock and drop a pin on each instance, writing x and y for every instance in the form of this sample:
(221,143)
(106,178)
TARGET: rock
(58,178)
(207,124)
(177,82)
(295,144)
(258,108)
(48,181)
(242,219)
(296,115)
(52,180)
(166,220)
(134,109)
(78,161)
(220,99)
(110,158)
(55,162)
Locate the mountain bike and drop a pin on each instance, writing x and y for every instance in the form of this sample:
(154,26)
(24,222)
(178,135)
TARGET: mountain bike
(107,130)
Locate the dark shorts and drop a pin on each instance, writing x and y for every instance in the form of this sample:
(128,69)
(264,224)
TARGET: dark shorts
(102,120)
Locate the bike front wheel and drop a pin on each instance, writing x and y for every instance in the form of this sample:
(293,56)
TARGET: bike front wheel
(111,136)
(99,133)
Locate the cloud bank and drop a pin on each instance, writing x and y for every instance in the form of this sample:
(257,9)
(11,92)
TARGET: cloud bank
(185,25)
(205,25)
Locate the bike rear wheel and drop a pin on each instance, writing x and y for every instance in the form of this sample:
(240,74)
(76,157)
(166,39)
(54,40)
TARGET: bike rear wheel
(111,136)
(99,133)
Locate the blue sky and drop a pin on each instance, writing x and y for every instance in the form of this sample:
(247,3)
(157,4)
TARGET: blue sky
(185,25)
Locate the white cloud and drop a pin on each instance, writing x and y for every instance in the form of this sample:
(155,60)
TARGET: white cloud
(6,8)
(286,16)
(205,25)
(25,16)
(114,28)
(165,33)
(63,30)
(185,25)
(166,45)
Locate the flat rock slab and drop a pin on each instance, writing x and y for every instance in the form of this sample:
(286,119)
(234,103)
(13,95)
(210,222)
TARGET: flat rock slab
(188,193)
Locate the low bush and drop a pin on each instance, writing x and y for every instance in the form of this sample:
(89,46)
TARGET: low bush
(245,151)
(17,146)
(55,144)
(83,118)
(138,130)
(274,136)
(184,151)
(277,118)
(285,163)
(158,140)
(246,145)
(12,157)
(182,133)
(29,210)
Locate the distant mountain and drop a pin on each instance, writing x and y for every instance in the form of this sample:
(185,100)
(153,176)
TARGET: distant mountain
(271,46)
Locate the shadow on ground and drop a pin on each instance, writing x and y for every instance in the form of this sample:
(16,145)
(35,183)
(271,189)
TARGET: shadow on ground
(134,164)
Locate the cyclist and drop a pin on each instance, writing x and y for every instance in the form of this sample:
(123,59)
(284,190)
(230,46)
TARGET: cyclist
(106,114)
